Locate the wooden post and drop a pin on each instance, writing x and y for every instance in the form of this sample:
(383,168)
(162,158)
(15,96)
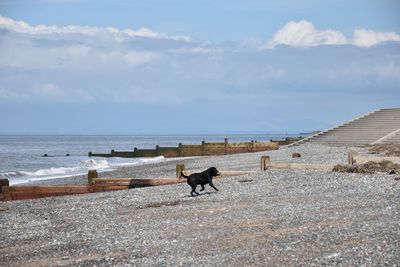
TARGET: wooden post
(226,146)
(92,174)
(265,161)
(179,169)
(203,143)
(5,183)
(350,157)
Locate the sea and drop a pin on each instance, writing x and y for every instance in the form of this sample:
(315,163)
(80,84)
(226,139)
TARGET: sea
(22,157)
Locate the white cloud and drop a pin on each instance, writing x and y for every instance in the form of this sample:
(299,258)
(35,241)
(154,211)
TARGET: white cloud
(197,50)
(6,94)
(141,95)
(134,58)
(80,47)
(76,51)
(98,68)
(23,27)
(17,54)
(366,38)
(389,70)
(304,34)
(378,72)
(49,90)
(45,92)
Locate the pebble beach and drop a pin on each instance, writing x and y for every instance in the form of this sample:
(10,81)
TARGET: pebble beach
(264,218)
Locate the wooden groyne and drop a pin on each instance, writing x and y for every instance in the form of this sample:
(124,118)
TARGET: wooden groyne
(205,149)
(94,185)
(266,164)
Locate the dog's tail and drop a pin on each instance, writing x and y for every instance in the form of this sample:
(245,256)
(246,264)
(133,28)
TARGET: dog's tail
(183,175)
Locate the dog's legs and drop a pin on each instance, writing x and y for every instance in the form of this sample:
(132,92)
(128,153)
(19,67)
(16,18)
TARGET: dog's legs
(193,191)
(211,184)
(202,188)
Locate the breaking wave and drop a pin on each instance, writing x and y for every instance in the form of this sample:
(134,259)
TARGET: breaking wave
(101,165)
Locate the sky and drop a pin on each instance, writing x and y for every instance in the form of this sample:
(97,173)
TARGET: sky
(195,67)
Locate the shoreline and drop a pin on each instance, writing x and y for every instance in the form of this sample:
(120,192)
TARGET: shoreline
(68,156)
(82,179)
(241,161)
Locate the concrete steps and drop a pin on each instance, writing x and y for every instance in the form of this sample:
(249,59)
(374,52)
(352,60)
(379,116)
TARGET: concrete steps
(394,140)
(378,127)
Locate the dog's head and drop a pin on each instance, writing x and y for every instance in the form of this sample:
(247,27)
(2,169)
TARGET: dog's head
(213,171)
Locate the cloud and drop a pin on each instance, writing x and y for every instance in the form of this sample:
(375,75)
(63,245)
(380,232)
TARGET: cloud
(134,58)
(100,68)
(304,34)
(7,95)
(76,51)
(198,50)
(49,90)
(23,27)
(366,38)
(24,53)
(42,92)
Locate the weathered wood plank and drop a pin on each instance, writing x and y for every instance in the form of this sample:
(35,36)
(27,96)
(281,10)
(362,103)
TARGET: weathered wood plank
(157,181)
(5,193)
(135,181)
(31,192)
(223,174)
(33,195)
(105,188)
(301,166)
(91,175)
(55,189)
(100,185)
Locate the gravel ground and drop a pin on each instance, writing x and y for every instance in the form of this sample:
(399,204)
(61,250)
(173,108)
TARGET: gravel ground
(275,218)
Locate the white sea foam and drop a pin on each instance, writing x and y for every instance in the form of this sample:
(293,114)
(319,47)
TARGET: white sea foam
(96,164)
(139,161)
(101,165)
(50,171)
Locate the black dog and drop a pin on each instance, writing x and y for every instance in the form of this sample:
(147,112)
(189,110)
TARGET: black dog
(201,178)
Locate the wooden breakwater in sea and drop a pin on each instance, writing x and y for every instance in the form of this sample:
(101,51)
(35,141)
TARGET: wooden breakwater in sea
(205,149)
